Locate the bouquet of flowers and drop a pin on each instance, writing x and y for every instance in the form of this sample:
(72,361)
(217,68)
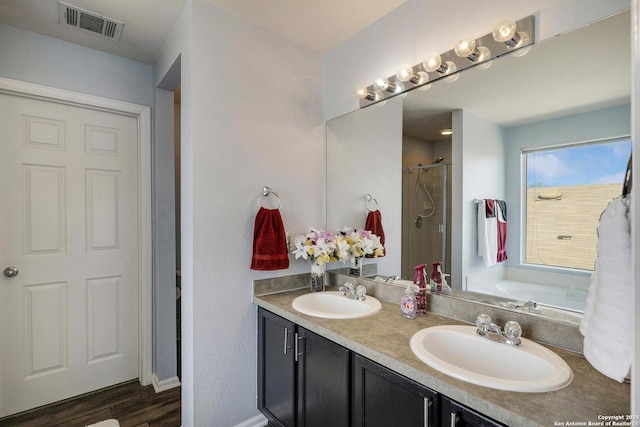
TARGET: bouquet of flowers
(318,246)
(362,243)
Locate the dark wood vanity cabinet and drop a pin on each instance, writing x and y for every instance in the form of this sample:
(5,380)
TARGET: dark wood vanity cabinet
(303,378)
(383,398)
(454,414)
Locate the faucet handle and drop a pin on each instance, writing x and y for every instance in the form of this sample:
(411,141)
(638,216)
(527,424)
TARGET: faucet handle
(347,288)
(482,323)
(512,332)
(361,293)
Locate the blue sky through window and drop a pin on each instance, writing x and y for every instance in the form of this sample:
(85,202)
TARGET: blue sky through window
(585,164)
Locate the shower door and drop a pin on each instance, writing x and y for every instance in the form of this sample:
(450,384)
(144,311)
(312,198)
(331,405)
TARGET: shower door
(426,216)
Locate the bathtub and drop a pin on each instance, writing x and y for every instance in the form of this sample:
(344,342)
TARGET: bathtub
(551,296)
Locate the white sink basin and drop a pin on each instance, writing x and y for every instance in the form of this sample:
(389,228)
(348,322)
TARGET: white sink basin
(460,352)
(334,305)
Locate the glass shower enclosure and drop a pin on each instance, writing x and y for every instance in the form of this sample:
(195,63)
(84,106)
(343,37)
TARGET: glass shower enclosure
(426,216)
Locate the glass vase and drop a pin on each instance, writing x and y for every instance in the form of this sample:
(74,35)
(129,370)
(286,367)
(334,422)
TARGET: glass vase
(355,269)
(317,277)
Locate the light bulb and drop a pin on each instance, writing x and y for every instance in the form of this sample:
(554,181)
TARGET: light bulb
(504,31)
(385,84)
(381,84)
(485,53)
(422,78)
(465,47)
(432,63)
(404,73)
(524,40)
(361,91)
(451,68)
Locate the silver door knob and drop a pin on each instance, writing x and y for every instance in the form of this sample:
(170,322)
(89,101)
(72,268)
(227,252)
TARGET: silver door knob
(11,271)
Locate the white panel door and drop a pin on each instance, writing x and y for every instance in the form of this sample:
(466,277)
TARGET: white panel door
(69,224)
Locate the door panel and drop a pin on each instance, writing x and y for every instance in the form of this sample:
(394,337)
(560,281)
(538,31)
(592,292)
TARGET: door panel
(276,369)
(384,398)
(69,206)
(323,382)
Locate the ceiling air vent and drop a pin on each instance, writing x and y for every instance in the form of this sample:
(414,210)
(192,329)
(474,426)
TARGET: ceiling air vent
(97,24)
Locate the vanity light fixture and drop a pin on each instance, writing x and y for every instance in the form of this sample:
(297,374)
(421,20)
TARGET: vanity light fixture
(508,37)
(446,132)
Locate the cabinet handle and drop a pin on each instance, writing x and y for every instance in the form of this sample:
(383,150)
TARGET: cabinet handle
(286,340)
(454,419)
(296,340)
(427,407)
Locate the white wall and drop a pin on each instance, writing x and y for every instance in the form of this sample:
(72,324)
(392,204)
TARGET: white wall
(164,243)
(418,27)
(479,153)
(34,58)
(251,116)
(361,145)
(177,49)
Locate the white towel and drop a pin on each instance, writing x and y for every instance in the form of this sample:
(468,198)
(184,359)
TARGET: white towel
(608,317)
(487,235)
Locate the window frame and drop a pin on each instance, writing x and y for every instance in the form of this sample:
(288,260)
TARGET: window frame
(524,151)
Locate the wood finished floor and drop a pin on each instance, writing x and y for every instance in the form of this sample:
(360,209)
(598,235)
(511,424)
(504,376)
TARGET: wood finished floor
(130,403)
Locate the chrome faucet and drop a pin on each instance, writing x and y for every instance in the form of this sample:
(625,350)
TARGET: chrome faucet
(359,293)
(391,279)
(511,334)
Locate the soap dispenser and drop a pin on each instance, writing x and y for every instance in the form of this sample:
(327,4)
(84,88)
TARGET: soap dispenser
(408,303)
(421,294)
(446,289)
(436,277)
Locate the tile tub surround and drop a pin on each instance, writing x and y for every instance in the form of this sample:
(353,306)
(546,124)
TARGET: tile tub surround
(384,338)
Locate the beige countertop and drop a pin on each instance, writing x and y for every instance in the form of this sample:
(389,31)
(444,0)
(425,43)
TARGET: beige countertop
(384,338)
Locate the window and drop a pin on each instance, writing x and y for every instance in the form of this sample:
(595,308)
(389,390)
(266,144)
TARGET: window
(567,189)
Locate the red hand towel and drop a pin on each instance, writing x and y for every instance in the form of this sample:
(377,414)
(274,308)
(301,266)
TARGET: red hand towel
(269,241)
(374,225)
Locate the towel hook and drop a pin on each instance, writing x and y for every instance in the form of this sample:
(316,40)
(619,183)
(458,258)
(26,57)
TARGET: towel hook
(369,198)
(266,192)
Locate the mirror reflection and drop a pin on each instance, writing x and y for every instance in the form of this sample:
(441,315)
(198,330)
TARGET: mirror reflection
(426,183)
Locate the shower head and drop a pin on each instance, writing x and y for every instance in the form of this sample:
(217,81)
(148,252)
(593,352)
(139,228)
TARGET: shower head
(438,160)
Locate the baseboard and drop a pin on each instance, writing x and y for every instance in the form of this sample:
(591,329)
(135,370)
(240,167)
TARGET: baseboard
(165,384)
(257,421)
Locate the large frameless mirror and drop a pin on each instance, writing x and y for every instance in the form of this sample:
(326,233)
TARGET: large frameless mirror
(425,183)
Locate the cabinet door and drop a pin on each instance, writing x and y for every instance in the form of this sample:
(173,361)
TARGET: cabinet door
(383,398)
(276,369)
(455,415)
(323,381)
